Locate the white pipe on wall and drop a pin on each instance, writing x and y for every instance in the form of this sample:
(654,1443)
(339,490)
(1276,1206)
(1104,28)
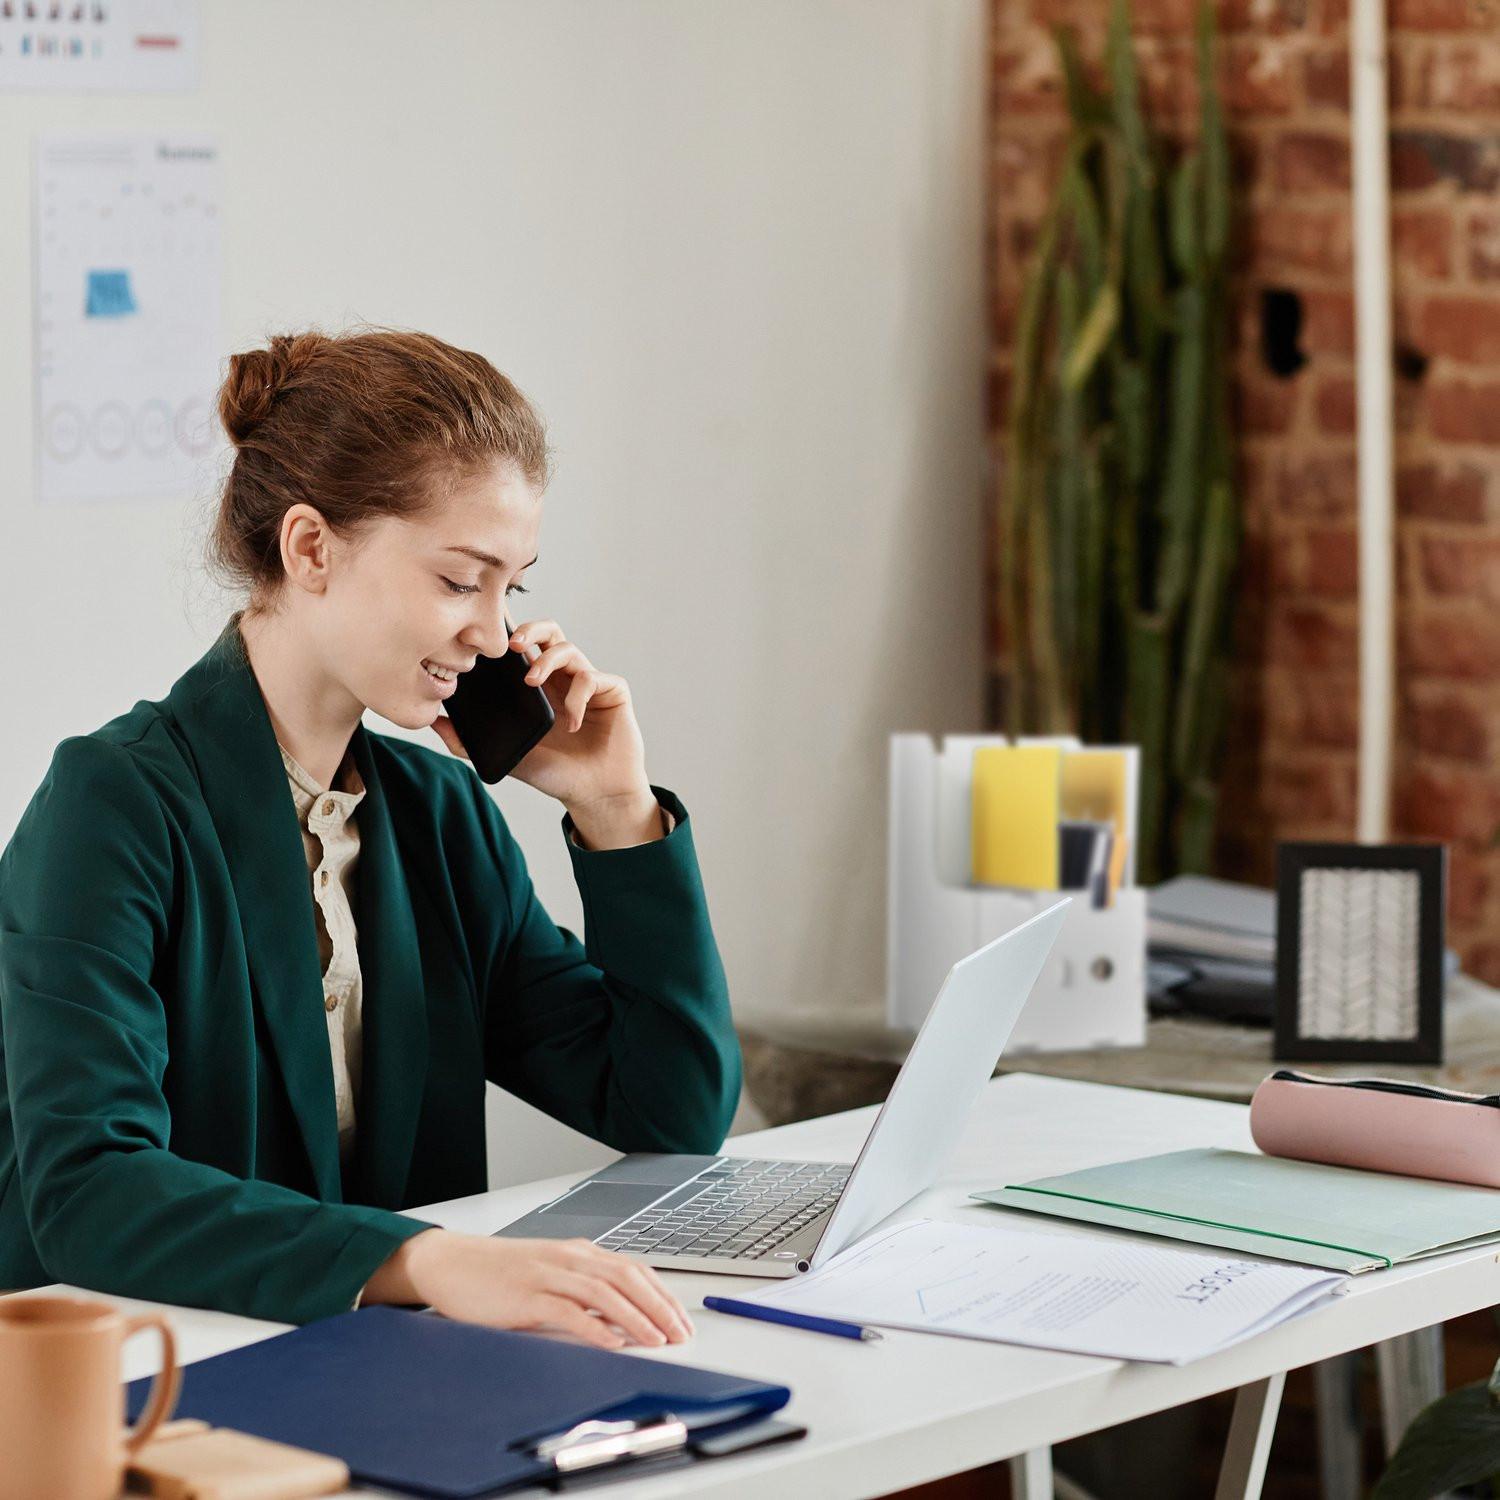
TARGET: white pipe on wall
(1372,307)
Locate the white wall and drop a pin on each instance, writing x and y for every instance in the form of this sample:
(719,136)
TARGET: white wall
(733,252)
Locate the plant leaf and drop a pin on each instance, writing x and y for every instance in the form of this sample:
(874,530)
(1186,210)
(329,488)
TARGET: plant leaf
(1212,142)
(1119,61)
(1201,675)
(1085,104)
(1068,496)
(1087,222)
(1181,485)
(1454,1441)
(1097,329)
(1147,708)
(1187,244)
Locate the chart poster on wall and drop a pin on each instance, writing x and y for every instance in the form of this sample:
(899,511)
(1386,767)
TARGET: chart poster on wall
(121,45)
(127,273)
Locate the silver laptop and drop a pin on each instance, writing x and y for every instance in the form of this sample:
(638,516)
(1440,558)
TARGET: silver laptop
(749,1217)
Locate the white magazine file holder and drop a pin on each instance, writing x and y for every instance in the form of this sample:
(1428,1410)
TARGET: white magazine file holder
(1092,993)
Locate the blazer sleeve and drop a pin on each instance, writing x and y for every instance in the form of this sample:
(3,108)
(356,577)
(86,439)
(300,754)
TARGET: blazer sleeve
(626,1036)
(86,901)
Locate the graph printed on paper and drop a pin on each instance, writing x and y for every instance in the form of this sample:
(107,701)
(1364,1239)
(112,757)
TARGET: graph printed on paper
(127,289)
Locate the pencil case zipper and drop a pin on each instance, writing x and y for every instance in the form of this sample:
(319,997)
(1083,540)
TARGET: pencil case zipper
(1390,1086)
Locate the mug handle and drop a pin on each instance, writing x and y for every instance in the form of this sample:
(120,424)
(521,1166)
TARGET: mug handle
(164,1388)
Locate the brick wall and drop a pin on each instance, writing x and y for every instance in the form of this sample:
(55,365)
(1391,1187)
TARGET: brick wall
(1291,769)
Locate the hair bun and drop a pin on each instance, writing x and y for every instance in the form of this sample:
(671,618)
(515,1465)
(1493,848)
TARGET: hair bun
(258,376)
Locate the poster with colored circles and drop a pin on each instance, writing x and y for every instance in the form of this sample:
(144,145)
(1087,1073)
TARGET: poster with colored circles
(127,286)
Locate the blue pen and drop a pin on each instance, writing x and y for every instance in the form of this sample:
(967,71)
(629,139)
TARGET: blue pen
(791,1319)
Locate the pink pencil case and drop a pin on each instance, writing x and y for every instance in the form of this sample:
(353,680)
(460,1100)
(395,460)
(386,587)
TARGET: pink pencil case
(1382,1126)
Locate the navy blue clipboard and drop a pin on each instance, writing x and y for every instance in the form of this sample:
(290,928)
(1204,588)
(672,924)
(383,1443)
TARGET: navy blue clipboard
(417,1402)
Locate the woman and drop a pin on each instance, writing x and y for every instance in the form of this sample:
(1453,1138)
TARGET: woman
(256,962)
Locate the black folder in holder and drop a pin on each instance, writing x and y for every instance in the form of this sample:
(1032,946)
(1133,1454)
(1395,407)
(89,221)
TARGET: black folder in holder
(416,1402)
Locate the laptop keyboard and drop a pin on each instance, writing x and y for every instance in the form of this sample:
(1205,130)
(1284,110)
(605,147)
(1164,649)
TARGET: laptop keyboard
(743,1209)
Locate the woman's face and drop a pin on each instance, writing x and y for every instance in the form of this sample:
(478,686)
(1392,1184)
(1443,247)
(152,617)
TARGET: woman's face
(429,592)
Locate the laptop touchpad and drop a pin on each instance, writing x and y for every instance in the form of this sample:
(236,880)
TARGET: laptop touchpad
(606,1200)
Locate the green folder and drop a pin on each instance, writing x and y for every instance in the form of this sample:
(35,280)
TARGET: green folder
(1300,1211)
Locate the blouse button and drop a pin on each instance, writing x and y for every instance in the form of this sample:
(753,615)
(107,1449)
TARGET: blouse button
(323,877)
(330,1002)
(328,808)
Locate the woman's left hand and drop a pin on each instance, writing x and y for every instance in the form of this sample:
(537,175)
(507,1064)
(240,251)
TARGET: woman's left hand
(593,756)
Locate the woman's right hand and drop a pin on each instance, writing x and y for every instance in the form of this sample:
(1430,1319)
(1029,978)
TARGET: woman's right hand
(566,1286)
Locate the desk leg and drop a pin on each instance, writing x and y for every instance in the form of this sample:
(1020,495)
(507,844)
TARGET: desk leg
(1249,1446)
(1031,1475)
(1411,1375)
(1410,1369)
(1340,1427)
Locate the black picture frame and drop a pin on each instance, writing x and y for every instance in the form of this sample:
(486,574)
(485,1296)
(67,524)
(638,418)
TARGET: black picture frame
(1429,863)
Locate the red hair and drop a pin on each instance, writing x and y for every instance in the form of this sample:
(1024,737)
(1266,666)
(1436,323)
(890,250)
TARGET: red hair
(358,426)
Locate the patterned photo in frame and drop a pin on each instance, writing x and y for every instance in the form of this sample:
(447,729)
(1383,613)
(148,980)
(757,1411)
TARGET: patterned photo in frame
(1359,952)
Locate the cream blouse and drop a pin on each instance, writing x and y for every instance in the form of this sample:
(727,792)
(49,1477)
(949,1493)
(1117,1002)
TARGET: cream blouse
(330,839)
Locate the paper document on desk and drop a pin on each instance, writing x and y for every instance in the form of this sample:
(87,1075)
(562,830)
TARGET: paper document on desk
(1112,1297)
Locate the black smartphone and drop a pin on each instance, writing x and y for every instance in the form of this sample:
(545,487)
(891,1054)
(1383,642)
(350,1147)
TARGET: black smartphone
(499,716)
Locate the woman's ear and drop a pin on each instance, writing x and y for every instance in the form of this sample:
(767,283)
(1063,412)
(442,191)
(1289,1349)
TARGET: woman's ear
(306,545)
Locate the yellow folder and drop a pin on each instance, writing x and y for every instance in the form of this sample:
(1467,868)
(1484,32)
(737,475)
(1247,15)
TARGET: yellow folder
(1016,792)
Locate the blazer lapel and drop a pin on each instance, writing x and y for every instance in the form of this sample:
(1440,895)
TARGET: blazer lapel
(218,706)
(394,1028)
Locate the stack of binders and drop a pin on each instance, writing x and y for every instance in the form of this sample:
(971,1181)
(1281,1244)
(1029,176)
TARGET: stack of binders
(1212,950)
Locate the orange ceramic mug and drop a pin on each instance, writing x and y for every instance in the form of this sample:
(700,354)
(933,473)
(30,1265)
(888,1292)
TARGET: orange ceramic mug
(62,1407)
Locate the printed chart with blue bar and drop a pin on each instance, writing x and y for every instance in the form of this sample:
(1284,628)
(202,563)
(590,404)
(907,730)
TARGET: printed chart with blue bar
(127,316)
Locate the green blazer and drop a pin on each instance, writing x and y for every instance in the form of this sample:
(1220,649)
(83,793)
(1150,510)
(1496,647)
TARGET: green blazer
(167,1118)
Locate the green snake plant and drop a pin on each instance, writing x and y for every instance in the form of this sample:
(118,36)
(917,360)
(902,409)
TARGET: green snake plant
(1120,531)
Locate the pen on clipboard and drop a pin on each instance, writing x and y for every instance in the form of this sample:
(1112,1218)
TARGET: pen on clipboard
(791,1319)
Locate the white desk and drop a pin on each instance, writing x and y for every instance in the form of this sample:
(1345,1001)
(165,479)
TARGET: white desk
(916,1407)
